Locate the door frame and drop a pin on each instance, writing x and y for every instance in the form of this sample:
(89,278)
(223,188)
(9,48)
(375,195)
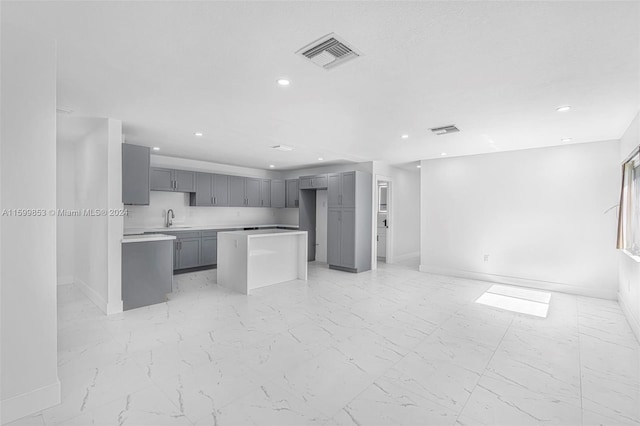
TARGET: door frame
(390,230)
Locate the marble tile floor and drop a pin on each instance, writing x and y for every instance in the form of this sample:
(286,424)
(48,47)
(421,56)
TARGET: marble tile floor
(387,347)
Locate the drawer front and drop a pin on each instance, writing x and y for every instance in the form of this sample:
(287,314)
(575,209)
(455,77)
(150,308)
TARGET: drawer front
(209,233)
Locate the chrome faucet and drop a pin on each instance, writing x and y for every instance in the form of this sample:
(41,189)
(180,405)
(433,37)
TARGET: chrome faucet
(169,219)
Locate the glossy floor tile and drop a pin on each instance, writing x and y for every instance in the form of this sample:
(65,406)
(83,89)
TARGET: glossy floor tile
(387,347)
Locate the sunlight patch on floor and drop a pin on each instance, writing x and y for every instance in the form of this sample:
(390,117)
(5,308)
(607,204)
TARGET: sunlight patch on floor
(517,299)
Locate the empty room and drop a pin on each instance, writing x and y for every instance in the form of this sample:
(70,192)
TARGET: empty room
(331,213)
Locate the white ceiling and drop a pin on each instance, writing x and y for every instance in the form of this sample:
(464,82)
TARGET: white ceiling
(497,70)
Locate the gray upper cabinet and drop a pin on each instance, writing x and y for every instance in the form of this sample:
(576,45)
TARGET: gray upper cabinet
(277,193)
(252,193)
(314,182)
(342,190)
(292,193)
(237,196)
(265,193)
(161,179)
(135,174)
(204,190)
(172,180)
(220,190)
(185,181)
(210,190)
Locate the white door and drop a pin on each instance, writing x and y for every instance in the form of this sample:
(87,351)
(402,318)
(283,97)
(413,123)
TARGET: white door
(321,225)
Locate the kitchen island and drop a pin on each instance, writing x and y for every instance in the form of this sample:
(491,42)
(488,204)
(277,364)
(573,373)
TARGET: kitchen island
(252,259)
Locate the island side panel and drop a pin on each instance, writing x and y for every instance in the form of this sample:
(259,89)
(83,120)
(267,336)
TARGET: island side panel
(272,259)
(302,256)
(232,262)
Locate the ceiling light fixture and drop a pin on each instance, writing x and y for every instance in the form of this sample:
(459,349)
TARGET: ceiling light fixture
(282,147)
(320,159)
(566,140)
(271,166)
(404,136)
(443,153)
(563,108)
(155,148)
(283,82)
(198,134)
(418,166)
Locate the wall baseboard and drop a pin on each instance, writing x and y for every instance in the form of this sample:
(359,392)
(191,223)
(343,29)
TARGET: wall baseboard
(522,282)
(66,280)
(92,295)
(631,319)
(30,402)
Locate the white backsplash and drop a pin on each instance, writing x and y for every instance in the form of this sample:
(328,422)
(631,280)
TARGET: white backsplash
(154,214)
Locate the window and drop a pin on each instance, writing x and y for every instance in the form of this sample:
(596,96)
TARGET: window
(629,217)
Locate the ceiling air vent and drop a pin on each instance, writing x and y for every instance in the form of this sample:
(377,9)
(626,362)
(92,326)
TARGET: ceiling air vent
(329,51)
(445,130)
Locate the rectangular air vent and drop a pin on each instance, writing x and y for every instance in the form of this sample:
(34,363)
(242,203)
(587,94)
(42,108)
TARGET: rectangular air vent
(328,52)
(445,130)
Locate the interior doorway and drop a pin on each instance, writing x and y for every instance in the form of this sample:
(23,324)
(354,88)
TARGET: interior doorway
(383,220)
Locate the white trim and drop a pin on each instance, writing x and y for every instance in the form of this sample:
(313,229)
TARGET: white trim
(30,402)
(631,318)
(389,258)
(115,307)
(407,256)
(66,280)
(523,282)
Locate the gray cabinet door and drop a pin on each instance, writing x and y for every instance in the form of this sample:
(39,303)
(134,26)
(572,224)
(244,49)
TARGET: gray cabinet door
(293,193)
(333,237)
(203,193)
(209,251)
(252,192)
(161,179)
(189,253)
(185,181)
(305,182)
(220,190)
(236,191)
(348,190)
(265,193)
(319,181)
(348,238)
(135,174)
(277,193)
(334,190)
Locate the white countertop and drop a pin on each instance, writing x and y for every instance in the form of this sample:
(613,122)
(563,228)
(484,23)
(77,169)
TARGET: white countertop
(138,231)
(262,232)
(146,238)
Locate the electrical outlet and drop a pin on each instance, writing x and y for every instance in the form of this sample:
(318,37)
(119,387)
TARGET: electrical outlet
(486,257)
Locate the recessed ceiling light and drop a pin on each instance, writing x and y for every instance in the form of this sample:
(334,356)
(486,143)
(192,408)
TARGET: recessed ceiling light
(404,136)
(283,82)
(563,108)
(155,148)
(418,166)
(320,159)
(443,153)
(566,139)
(198,134)
(271,166)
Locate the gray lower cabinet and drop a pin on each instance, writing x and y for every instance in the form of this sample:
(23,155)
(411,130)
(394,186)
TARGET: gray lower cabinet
(278,194)
(147,275)
(135,174)
(209,251)
(188,253)
(292,195)
(349,221)
(162,179)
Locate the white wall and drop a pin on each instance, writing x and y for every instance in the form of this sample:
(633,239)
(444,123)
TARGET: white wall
(153,215)
(98,161)
(539,214)
(629,270)
(29,380)
(65,199)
